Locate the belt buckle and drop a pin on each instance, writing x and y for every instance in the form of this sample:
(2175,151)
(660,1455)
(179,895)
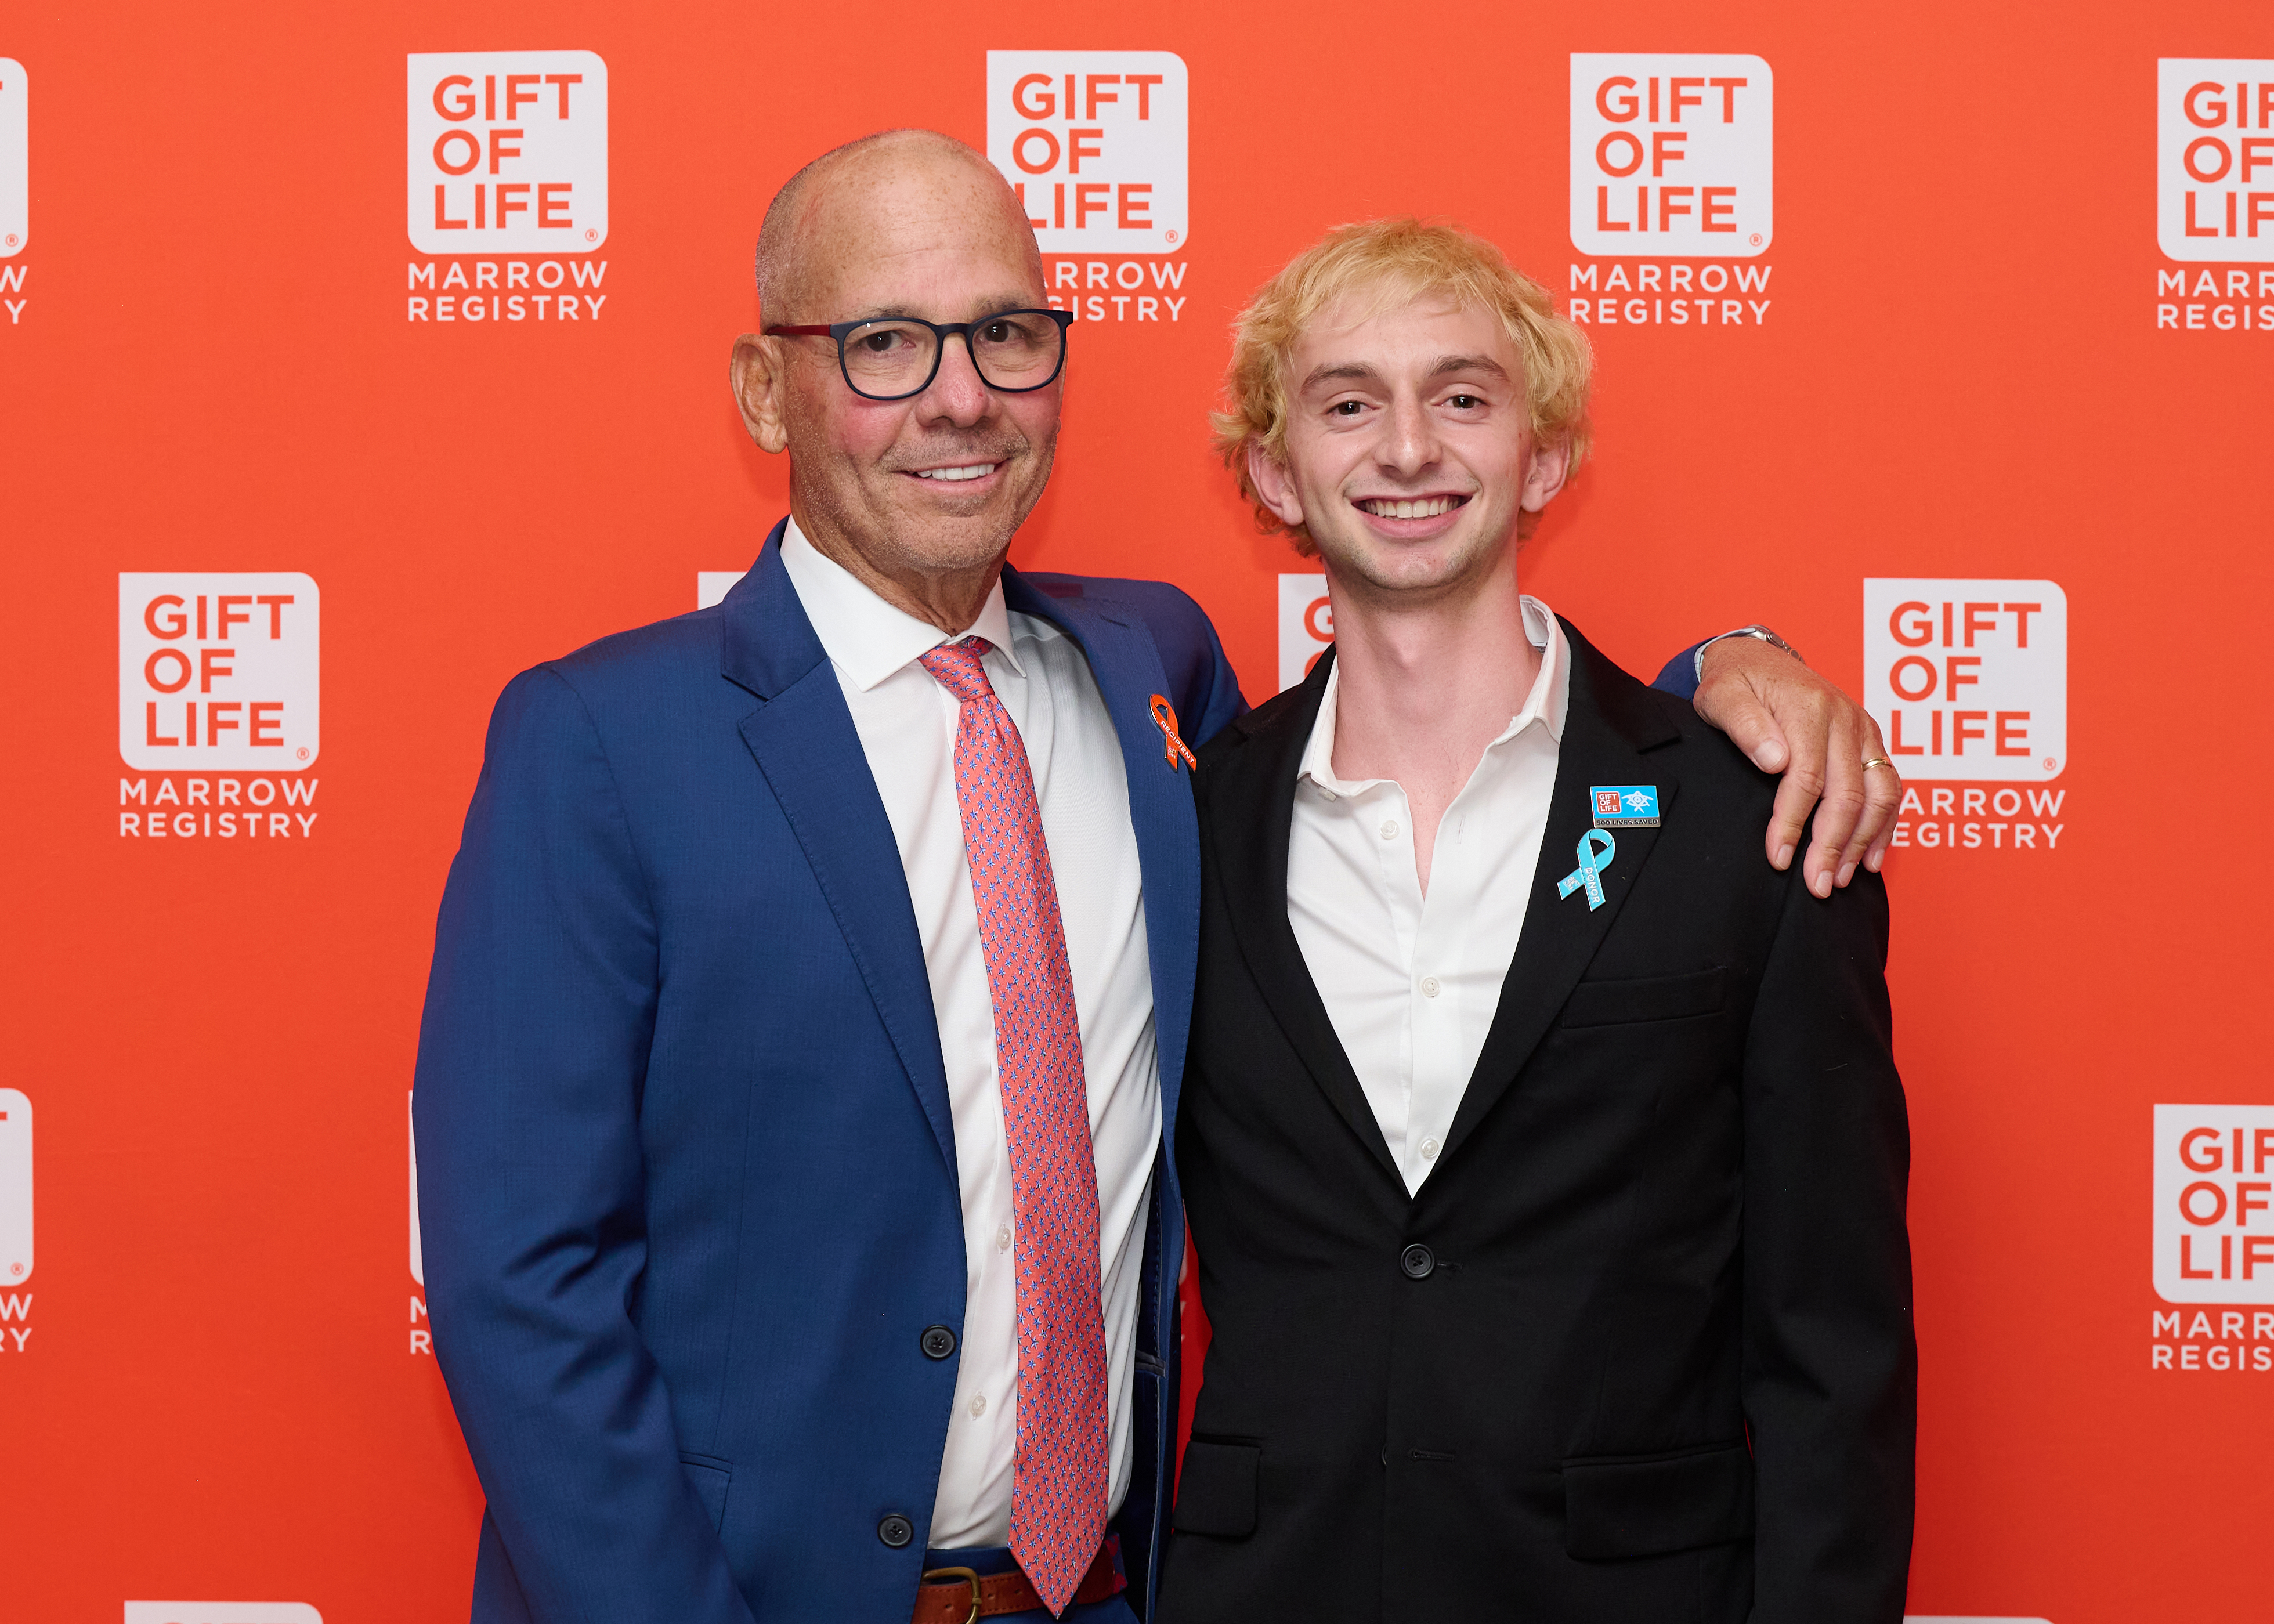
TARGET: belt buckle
(969,1577)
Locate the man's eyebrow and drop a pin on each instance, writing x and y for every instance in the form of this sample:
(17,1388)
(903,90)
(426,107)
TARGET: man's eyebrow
(998,305)
(1359,372)
(1468,363)
(1339,371)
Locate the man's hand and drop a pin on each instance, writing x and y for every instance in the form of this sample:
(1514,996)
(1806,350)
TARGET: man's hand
(1790,720)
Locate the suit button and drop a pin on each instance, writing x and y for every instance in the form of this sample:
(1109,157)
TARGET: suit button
(896,1530)
(1418,1262)
(938,1342)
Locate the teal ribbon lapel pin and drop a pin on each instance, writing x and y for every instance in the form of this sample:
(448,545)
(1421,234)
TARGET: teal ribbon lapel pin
(1615,806)
(1596,849)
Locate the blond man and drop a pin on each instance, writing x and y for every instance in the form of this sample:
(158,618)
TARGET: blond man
(1542,1146)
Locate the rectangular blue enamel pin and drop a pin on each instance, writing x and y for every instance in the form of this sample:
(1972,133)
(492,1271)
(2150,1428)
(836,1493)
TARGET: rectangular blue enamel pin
(1625,806)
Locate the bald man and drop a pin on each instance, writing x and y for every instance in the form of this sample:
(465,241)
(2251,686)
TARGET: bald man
(810,993)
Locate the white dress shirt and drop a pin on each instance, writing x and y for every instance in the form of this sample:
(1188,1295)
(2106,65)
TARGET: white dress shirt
(1412,982)
(907,722)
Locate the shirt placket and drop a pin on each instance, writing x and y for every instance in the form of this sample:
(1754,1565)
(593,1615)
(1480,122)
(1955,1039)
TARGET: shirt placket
(1439,971)
(1385,824)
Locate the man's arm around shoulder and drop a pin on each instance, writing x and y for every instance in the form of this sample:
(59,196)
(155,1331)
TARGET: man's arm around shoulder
(539,1014)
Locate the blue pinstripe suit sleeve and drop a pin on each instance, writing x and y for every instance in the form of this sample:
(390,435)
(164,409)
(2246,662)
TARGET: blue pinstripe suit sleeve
(1221,700)
(1202,685)
(540,1014)
(1679,675)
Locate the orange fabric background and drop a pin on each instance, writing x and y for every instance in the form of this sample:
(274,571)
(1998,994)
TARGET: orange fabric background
(1960,376)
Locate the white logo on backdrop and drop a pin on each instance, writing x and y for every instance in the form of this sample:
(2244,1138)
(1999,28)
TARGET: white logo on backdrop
(1969,679)
(218,671)
(2215,158)
(1094,143)
(711,585)
(221,1613)
(15,159)
(15,1188)
(1306,625)
(418,1250)
(1672,156)
(509,152)
(2215,1203)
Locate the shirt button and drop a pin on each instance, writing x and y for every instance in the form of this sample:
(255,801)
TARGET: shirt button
(1430,987)
(1390,829)
(978,1405)
(1003,1238)
(1428,1150)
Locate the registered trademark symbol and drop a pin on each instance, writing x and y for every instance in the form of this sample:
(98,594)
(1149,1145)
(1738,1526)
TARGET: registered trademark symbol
(1171,236)
(15,1269)
(1755,240)
(304,754)
(2049,764)
(592,235)
(11,238)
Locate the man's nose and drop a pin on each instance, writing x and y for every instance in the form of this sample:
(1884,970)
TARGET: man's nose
(956,394)
(1411,442)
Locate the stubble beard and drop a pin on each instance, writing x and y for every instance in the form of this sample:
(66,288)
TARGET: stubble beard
(928,540)
(1363,568)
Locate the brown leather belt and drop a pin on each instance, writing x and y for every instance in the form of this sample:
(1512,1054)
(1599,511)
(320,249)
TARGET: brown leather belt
(958,1596)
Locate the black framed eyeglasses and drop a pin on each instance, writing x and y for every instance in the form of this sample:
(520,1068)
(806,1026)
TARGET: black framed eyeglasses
(891,358)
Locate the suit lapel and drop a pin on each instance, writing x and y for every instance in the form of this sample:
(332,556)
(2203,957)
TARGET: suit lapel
(1610,721)
(1127,669)
(802,737)
(1251,810)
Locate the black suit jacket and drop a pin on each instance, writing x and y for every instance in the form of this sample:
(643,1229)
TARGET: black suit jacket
(1640,1349)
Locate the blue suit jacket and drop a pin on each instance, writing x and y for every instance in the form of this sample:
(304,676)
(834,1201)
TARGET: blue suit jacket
(686,1173)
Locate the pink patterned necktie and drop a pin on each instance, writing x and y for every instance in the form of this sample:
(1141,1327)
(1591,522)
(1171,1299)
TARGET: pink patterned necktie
(1058,1472)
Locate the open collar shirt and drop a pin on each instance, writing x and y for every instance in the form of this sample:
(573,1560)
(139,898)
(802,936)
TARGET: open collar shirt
(1411,981)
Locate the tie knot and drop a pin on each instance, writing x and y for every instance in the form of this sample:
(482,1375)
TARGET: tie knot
(956,665)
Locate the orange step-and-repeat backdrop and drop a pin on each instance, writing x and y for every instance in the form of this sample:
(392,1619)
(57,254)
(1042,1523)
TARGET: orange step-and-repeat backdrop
(353,358)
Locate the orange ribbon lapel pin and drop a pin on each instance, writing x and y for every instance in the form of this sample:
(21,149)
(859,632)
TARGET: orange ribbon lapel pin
(1164,717)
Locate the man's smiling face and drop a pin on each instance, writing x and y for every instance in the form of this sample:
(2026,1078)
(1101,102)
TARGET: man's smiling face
(940,481)
(1409,453)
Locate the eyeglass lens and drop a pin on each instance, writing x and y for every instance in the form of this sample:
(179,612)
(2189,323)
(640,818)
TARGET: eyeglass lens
(887,358)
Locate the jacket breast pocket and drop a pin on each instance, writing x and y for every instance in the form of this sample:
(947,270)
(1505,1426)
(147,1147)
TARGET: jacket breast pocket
(710,1478)
(1652,1505)
(1648,997)
(1216,1490)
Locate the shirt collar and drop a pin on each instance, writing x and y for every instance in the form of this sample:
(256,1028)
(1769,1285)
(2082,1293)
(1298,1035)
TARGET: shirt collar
(865,637)
(1548,703)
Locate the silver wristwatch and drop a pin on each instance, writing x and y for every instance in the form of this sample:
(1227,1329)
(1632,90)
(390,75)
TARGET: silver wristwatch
(1697,660)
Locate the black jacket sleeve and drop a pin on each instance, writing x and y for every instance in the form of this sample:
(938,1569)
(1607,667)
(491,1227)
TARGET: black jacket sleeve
(1830,1362)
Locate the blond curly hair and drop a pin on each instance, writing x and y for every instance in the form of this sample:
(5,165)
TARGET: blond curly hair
(1395,261)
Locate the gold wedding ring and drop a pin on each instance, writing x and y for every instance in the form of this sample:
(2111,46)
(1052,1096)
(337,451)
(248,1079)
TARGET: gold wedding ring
(1877,760)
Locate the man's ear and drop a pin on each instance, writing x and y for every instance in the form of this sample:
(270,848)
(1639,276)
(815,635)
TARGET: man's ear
(1551,466)
(756,375)
(1275,485)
